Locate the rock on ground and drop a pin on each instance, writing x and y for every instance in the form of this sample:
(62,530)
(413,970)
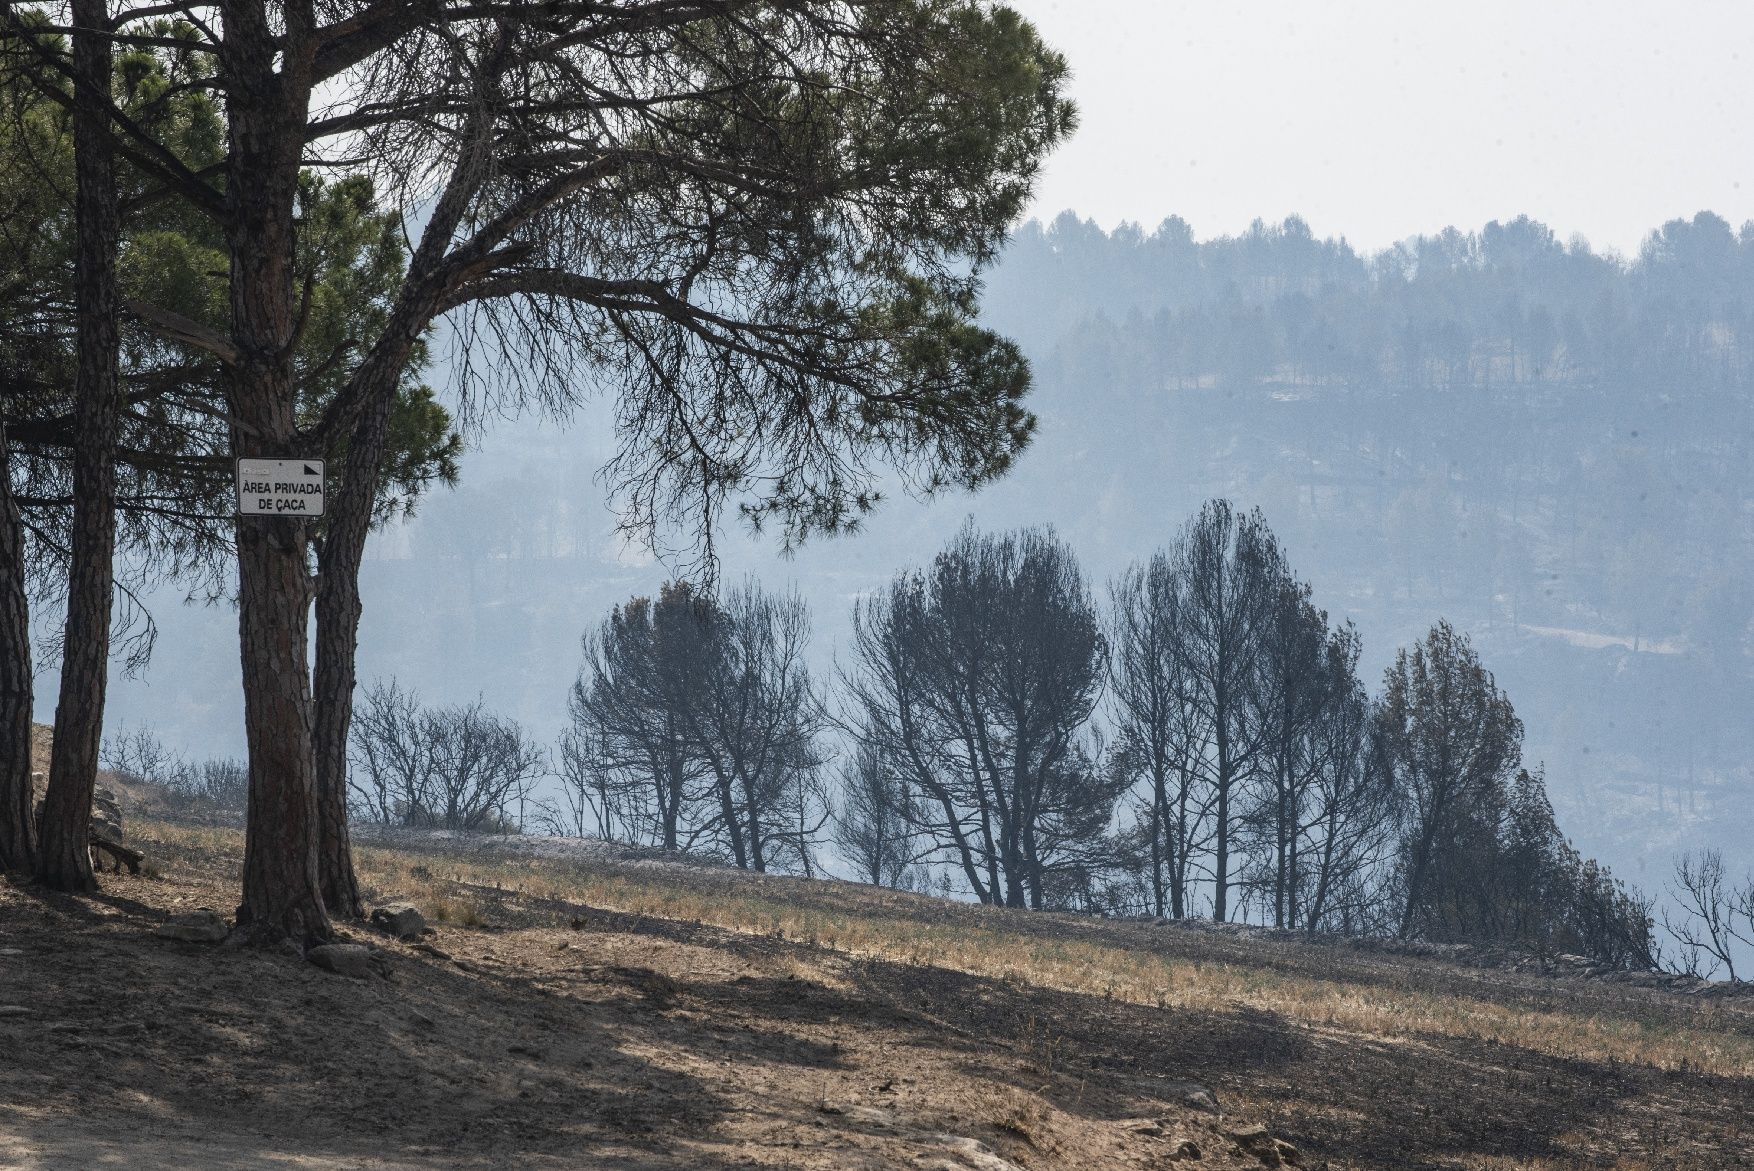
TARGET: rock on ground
(344,959)
(401,920)
(203,926)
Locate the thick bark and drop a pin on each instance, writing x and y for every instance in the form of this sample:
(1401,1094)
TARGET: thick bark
(338,615)
(64,861)
(281,895)
(18,837)
(343,551)
(338,612)
(266,110)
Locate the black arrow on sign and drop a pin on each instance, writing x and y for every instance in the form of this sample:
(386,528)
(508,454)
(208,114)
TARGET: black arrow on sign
(310,471)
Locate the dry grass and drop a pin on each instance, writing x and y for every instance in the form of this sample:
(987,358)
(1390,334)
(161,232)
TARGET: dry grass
(1027,1117)
(991,945)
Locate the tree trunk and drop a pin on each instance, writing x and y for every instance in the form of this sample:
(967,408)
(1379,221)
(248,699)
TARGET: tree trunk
(1281,846)
(1032,858)
(728,811)
(1159,824)
(338,615)
(1221,848)
(266,110)
(338,601)
(752,810)
(18,823)
(282,895)
(1178,863)
(64,862)
(1291,871)
(671,802)
(338,612)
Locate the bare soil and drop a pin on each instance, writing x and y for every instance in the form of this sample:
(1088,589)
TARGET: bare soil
(557,1033)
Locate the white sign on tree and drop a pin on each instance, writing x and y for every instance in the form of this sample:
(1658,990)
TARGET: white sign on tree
(280,487)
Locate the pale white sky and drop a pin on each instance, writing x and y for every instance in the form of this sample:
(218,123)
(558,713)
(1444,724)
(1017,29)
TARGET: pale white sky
(1376,119)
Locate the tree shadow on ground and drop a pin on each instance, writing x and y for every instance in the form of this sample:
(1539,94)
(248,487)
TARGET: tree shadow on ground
(1414,1102)
(214,1048)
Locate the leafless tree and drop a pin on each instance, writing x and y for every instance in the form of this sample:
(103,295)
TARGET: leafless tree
(142,755)
(1159,739)
(1348,809)
(1242,725)
(1451,741)
(695,720)
(219,783)
(628,756)
(1711,917)
(976,679)
(222,781)
(457,768)
(1291,694)
(800,821)
(1319,819)
(755,721)
(874,820)
(1231,569)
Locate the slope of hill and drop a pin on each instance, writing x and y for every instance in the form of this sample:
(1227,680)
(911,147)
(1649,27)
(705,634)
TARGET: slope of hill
(649,1015)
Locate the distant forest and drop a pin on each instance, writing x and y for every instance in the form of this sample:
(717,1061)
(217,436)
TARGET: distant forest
(1564,429)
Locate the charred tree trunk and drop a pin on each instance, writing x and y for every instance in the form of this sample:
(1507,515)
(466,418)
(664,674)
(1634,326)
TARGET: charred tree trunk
(266,109)
(1178,862)
(728,811)
(64,861)
(1221,847)
(670,800)
(18,836)
(752,810)
(1159,831)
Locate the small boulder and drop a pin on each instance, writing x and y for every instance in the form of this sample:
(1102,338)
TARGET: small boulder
(1272,1152)
(869,1116)
(344,959)
(1193,1095)
(203,926)
(972,1153)
(106,815)
(401,920)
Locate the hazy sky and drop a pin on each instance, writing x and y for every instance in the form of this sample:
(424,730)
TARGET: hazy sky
(1375,120)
